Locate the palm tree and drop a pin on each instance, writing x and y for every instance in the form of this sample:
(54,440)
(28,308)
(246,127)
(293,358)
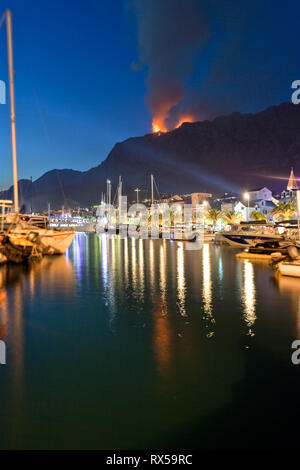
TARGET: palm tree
(231,217)
(257,215)
(214,215)
(285,210)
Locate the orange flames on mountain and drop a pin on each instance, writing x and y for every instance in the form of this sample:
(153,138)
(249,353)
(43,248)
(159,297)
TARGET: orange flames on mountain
(158,125)
(185,119)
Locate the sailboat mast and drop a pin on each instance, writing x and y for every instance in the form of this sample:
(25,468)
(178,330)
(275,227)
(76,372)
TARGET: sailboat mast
(152,194)
(12,106)
(298,210)
(120,191)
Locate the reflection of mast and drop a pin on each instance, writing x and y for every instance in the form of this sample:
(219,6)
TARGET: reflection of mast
(12,106)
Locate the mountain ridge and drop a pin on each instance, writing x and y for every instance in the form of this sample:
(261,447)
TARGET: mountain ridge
(229,153)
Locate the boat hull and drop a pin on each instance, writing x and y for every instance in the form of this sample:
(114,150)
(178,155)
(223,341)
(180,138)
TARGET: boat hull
(242,240)
(289,269)
(52,241)
(58,241)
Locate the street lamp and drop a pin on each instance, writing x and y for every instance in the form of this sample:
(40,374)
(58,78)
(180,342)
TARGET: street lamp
(247,197)
(137,190)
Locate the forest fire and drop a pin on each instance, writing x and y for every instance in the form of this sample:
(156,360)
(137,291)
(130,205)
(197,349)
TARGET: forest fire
(159,126)
(184,119)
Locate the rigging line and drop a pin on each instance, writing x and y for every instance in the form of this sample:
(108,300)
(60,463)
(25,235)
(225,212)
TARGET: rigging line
(2,19)
(115,195)
(46,133)
(156,188)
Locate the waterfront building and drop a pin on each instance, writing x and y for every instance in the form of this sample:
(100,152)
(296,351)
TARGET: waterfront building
(244,210)
(265,207)
(260,194)
(289,194)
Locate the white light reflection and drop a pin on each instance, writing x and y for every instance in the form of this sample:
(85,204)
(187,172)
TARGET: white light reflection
(151,266)
(248,297)
(104,261)
(125,241)
(162,282)
(141,267)
(133,264)
(181,280)
(207,289)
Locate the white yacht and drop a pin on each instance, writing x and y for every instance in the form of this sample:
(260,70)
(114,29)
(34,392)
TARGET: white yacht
(250,234)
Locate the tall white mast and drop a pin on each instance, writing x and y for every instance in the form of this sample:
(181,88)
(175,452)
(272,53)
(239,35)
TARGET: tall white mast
(151,178)
(120,191)
(108,192)
(12,106)
(298,210)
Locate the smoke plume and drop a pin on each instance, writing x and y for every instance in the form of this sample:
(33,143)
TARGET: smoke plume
(170,32)
(209,57)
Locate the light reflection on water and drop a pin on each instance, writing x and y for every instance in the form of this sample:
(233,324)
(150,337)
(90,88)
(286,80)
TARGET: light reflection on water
(181,288)
(172,320)
(248,297)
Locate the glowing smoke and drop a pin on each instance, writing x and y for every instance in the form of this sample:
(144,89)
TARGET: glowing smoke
(170,32)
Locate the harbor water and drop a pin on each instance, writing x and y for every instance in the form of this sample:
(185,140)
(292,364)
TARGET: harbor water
(141,344)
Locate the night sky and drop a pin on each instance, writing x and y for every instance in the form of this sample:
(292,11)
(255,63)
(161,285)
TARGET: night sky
(88,73)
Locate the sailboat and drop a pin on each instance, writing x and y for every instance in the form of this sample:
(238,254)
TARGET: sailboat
(52,241)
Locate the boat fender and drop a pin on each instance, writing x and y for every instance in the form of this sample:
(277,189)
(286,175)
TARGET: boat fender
(276,255)
(293,252)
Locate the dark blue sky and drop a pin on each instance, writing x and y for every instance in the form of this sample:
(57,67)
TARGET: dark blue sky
(77,94)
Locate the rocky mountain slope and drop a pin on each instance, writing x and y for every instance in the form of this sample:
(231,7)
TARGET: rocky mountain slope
(230,153)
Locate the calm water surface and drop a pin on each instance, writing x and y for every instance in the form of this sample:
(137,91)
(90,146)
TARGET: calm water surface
(142,344)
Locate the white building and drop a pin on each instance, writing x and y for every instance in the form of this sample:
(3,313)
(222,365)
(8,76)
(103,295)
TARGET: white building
(264,194)
(265,207)
(289,194)
(244,210)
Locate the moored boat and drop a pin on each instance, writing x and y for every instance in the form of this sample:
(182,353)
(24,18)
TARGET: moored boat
(52,241)
(269,248)
(246,235)
(18,228)
(289,268)
(19,249)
